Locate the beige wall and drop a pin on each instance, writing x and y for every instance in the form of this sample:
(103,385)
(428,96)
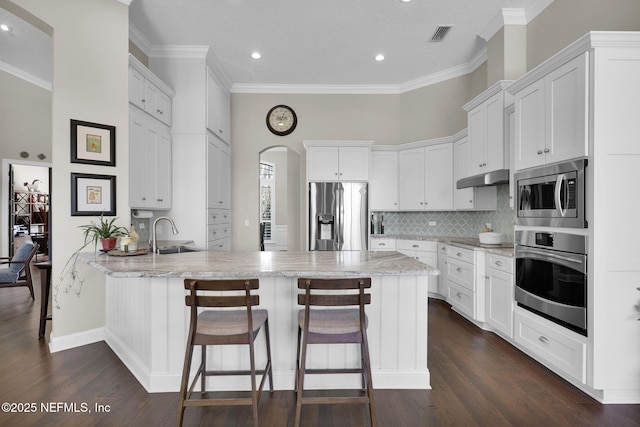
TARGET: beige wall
(90,83)
(565,21)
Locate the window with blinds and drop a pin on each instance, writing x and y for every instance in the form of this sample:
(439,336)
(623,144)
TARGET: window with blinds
(267,197)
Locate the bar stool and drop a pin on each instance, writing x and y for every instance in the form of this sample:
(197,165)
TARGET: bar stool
(334,326)
(223,327)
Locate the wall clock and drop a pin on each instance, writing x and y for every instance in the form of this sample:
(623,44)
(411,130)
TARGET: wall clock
(281,120)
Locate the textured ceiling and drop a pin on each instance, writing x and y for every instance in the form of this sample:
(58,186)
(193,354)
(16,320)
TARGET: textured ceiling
(303,42)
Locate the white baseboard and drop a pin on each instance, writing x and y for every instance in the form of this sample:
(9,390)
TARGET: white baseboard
(78,339)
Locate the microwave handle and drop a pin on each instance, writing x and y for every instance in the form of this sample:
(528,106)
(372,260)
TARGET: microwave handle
(560,206)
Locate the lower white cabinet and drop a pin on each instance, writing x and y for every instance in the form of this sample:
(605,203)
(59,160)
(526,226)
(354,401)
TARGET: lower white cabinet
(150,162)
(383,244)
(464,291)
(443,252)
(424,251)
(219,229)
(554,345)
(499,302)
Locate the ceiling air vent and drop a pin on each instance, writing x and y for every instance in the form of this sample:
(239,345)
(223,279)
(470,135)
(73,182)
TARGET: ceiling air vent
(440,33)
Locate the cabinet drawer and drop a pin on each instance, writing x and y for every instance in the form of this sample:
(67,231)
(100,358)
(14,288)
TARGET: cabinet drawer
(383,244)
(500,262)
(461,298)
(417,245)
(466,255)
(217,216)
(461,273)
(552,343)
(443,249)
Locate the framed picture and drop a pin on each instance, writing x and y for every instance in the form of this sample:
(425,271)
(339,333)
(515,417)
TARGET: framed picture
(93,195)
(93,143)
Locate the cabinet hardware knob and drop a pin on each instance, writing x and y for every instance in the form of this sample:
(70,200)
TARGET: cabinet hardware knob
(480,165)
(546,150)
(220,201)
(543,339)
(142,100)
(144,198)
(459,254)
(459,270)
(159,200)
(415,246)
(539,151)
(459,295)
(499,263)
(381,244)
(220,130)
(484,164)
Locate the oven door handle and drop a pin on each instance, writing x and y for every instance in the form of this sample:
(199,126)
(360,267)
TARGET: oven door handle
(576,263)
(560,206)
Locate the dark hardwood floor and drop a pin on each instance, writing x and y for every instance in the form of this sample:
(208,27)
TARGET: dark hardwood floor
(476,379)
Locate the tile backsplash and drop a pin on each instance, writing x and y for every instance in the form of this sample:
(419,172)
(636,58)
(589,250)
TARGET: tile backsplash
(453,223)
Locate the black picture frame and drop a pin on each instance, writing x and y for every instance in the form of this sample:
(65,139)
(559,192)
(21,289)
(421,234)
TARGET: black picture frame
(93,195)
(93,143)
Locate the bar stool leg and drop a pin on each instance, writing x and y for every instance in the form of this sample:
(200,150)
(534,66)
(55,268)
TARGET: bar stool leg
(300,378)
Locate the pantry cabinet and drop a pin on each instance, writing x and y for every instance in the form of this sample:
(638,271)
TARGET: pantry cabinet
(552,116)
(337,161)
(150,145)
(425,178)
(383,181)
(218,108)
(485,116)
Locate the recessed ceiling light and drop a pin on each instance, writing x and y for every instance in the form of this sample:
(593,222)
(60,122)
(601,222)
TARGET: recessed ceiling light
(380,57)
(405,1)
(256,55)
(5,27)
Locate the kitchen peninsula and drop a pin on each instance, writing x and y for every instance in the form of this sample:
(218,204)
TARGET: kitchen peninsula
(146,320)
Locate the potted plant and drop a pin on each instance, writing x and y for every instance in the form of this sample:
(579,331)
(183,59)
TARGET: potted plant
(104,231)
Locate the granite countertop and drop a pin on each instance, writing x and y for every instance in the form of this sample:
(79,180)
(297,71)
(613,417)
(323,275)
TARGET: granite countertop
(504,249)
(213,263)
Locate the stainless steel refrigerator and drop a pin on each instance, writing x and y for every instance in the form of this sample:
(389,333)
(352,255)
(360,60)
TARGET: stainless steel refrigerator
(338,216)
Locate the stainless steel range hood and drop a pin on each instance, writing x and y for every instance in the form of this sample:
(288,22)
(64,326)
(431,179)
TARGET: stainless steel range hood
(500,176)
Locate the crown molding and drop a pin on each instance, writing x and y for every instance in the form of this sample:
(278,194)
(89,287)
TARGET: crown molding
(10,69)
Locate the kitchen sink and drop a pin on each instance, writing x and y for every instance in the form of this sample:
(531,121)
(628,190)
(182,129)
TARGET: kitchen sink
(176,249)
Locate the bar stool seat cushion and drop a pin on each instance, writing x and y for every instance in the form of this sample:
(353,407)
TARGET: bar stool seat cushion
(8,276)
(334,322)
(229,322)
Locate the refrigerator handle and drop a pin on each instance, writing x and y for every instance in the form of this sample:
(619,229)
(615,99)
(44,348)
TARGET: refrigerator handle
(340,216)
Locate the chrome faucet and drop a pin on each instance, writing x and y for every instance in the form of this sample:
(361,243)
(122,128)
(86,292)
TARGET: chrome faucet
(154,245)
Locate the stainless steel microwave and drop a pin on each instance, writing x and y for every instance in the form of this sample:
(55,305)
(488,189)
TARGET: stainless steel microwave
(552,195)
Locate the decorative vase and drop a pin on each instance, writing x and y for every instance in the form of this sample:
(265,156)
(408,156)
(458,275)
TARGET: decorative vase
(108,243)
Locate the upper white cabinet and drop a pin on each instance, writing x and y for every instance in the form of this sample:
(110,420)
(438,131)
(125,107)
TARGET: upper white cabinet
(150,176)
(148,92)
(383,181)
(474,198)
(425,178)
(552,116)
(486,129)
(218,108)
(337,161)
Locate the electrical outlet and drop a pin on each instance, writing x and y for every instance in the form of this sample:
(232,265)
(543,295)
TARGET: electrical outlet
(246,222)
(141,226)
(432,223)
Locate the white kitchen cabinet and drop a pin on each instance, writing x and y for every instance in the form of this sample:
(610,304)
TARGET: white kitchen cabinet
(425,178)
(473,198)
(499,303)
(337,161)
(218,108)
(150,165)
(219,229)
(218,170)
(424,251)
(552,344)
(464,291)
(552,116)
(148,92)
(383,181)
(383,244)
(485,116)
(443,253)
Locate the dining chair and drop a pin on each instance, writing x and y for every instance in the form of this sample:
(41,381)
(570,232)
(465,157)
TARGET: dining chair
(223,325)
(18,272)
(333,324)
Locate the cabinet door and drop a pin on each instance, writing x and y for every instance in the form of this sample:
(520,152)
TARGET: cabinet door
(137,160)
(411,178)
(499,300)
(224,177)
(443,251)
(213,153)
(162,175)
(219,174)
(463,197)
(566,111)
(218,108)
(494,145)
(322,164)
(163,108)
(530,126)
(383,181)
(439,177)
(477,122)
(353,163)
(136,88)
